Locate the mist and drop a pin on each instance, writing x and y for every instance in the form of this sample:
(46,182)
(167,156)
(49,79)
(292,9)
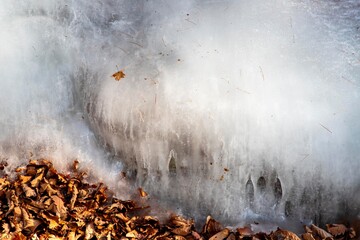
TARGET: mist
(241,110)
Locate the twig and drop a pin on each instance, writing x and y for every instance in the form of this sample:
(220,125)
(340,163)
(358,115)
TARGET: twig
(138,44)
(163,40)
(241,90)
(186,19)
(306,156)
(262,73)
(326,128)
(353,83)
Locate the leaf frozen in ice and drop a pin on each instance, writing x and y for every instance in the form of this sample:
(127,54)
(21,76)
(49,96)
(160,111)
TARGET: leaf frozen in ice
(118,75)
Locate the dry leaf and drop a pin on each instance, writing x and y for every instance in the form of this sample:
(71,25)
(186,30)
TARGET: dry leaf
(352,233)
(74,197)
(35,182)
(245,231)
(308,236)
(231,236)
(180,225)
(142,192)
(29,223)
(336,229)
(118,75)
(320,232)
(59,207)
(220,235)
(75,165)
(29,192)
(211,227)
(46,187)
(179,238)
(90,231)
(285,235)
(24,179)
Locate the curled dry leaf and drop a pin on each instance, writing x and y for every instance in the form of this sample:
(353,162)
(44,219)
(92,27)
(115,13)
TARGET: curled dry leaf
(29,192)
(47,187)
(4,183)
(196,235)
(24,178)
(59,207)
(73,197)
(35,182)
(231,236)
(179,237)
(211,227)
(180,225)
(336,229)
(89,231)
(75,165)
(320,232)
(285,235)
(245,231)
(221,235)
(352,233)
(308,236)
(142,192)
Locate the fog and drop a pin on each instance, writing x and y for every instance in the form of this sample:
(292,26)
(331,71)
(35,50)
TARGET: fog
(242,110)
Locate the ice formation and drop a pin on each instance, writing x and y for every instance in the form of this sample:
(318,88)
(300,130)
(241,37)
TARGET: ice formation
(242,110)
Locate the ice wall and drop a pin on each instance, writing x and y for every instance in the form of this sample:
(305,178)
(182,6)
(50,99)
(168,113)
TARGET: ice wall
(243,110)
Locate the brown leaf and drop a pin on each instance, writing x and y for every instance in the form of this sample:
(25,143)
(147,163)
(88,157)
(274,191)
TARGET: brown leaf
(142,192)
(30,170)
(245,231)
(231,236)
(59,207)
(177,237)
(132,234)
(352,233)
(196,235)
(24,178)
(4,183)
(29,223)
(90,231)
(180,225)
(307,229)
(40,174)
(118,75)
(53,237)
(220,235)
(211,227)
(47,187)
(53,222)
(308,236)
(75,165)
(29,192)
(336,229)
(320,232)
(285,235)
(73,197)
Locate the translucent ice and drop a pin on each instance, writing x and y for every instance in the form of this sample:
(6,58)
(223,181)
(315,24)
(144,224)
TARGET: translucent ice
(238,109)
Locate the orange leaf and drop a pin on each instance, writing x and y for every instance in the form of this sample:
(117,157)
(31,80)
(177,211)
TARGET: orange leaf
(142,192)
(118,75)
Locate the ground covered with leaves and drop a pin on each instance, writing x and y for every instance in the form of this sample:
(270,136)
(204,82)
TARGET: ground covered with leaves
(41,203)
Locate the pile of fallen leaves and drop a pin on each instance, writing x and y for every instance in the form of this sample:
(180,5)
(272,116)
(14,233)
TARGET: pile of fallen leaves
(40,203)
